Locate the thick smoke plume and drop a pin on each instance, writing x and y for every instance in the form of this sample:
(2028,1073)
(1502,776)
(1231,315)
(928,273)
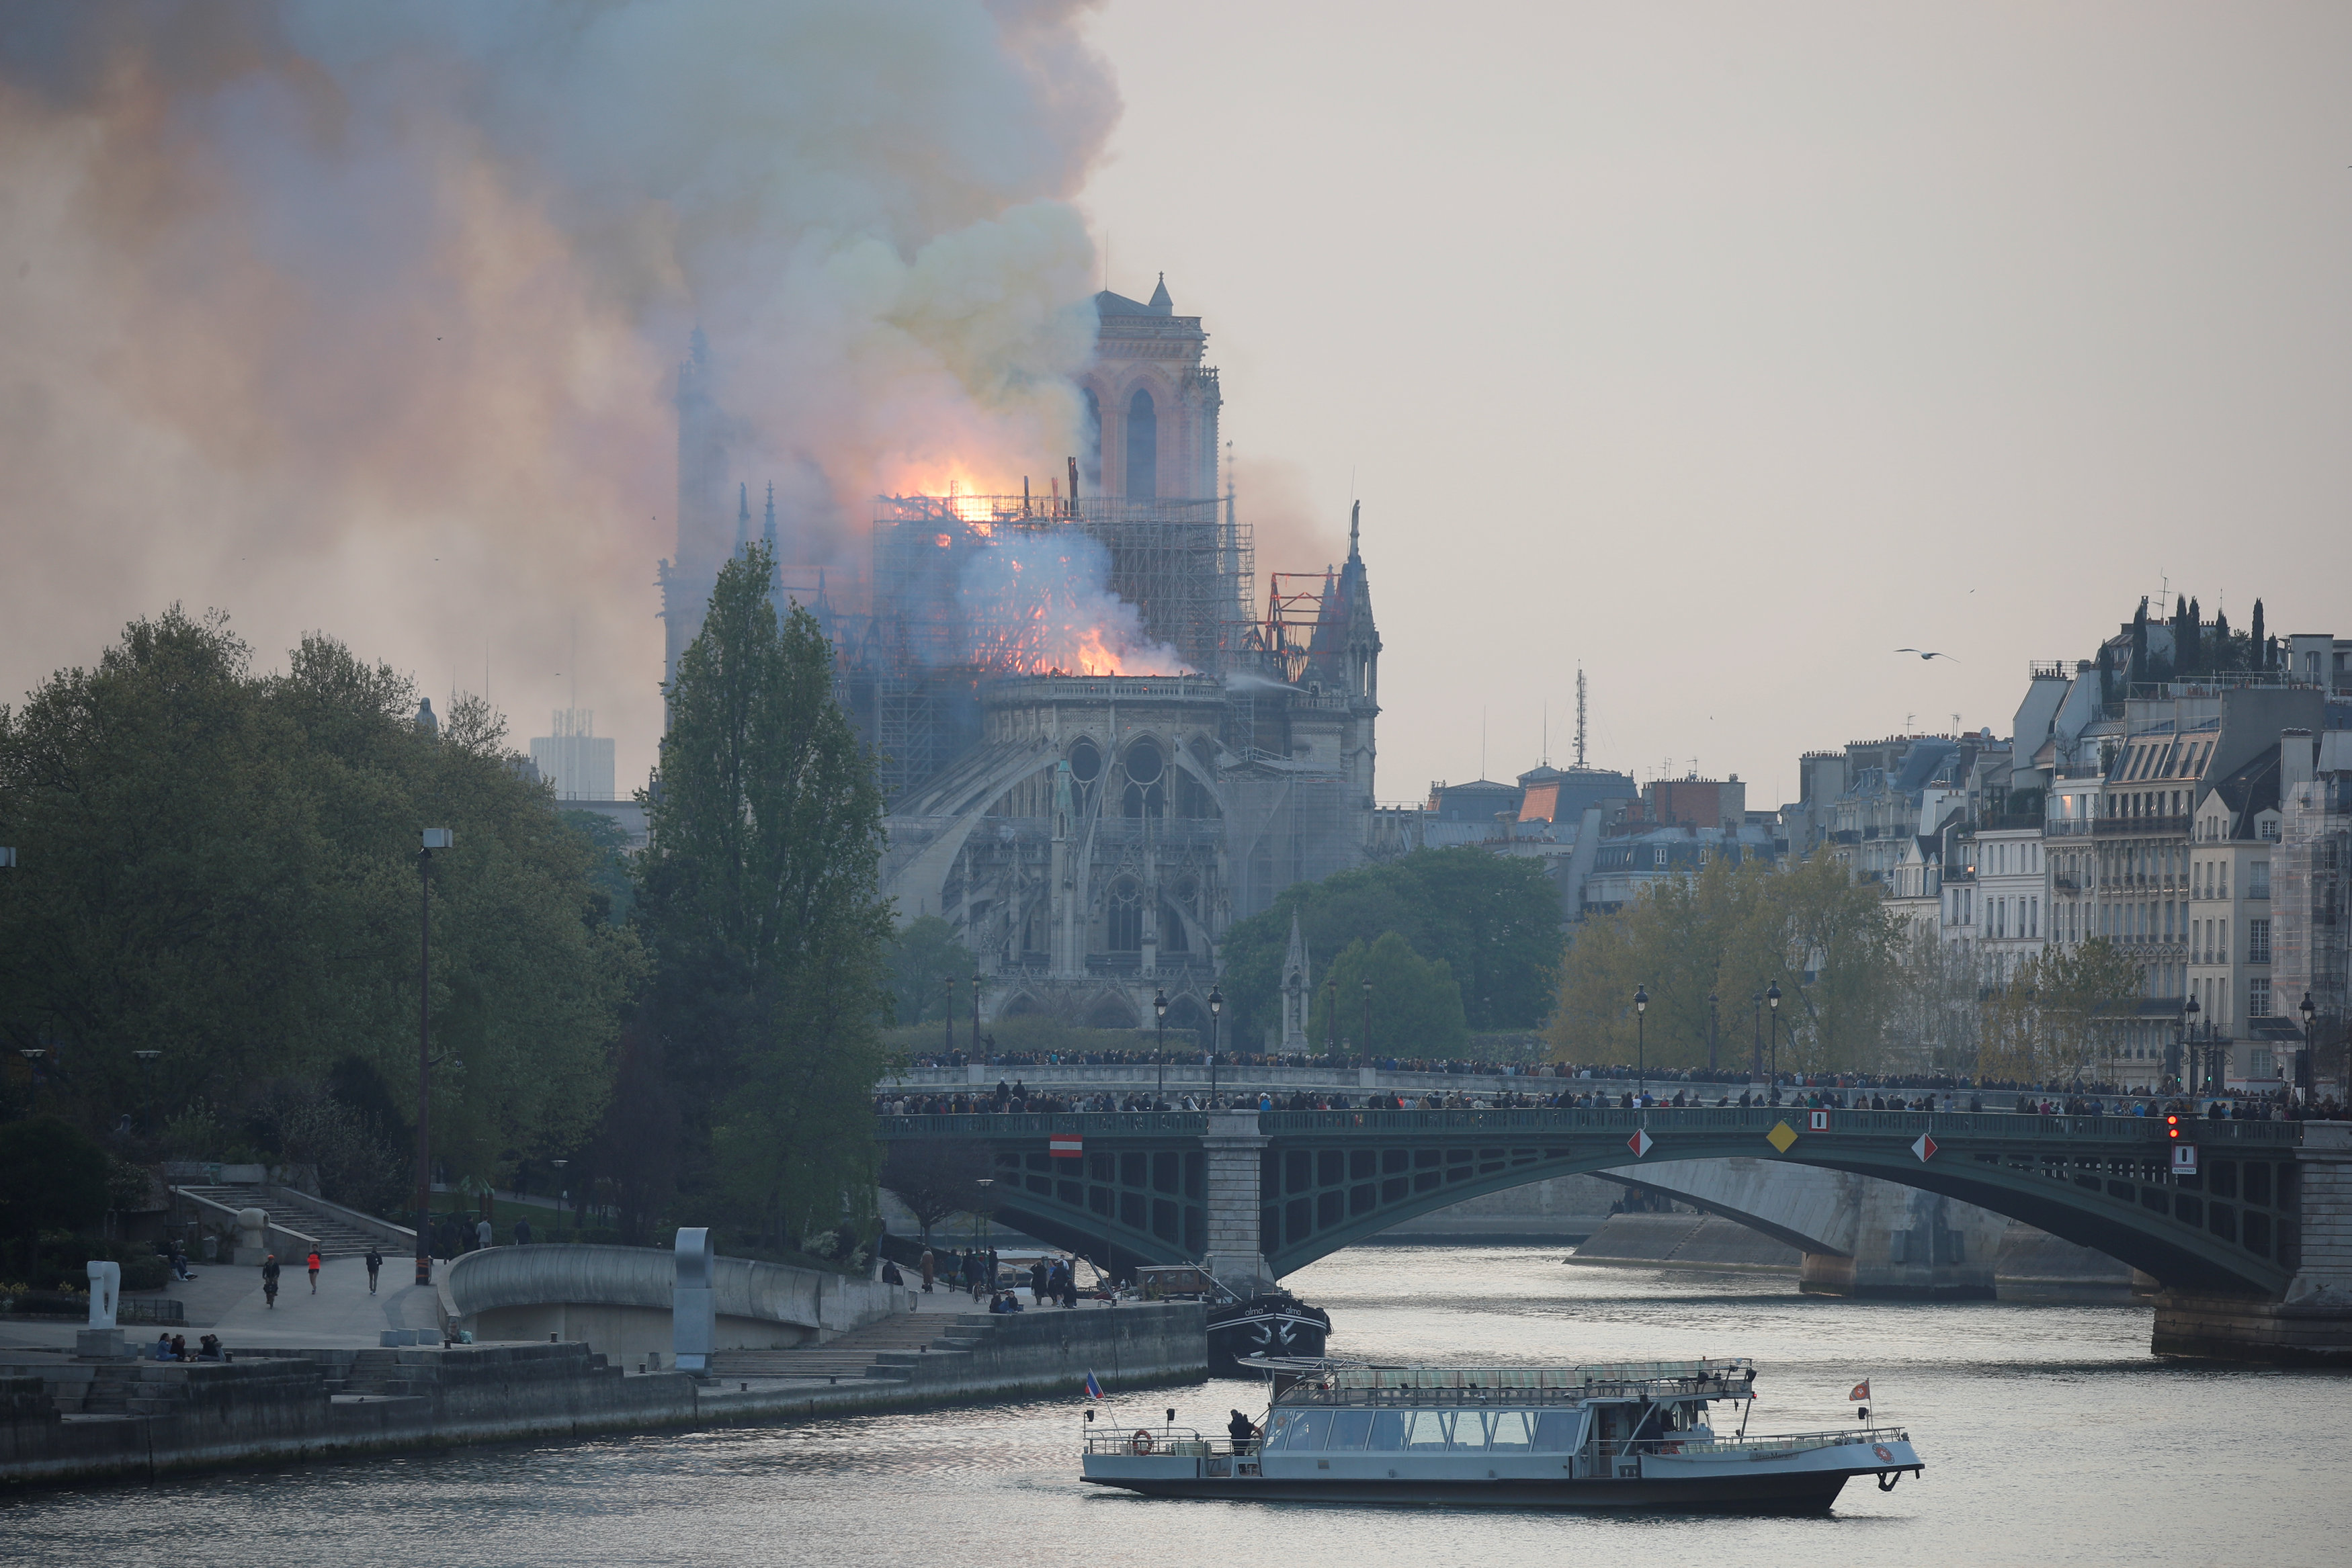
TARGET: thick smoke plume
(364,317)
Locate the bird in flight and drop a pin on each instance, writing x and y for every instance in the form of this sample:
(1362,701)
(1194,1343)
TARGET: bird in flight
(1924,654)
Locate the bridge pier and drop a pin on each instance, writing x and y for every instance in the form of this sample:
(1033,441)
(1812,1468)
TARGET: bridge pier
(1235,1151)
(2310,1324)
(1907,1242)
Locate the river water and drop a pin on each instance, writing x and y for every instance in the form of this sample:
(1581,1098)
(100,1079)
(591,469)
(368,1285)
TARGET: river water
(2052,1437)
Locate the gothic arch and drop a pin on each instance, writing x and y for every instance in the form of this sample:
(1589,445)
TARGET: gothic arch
(1142,466)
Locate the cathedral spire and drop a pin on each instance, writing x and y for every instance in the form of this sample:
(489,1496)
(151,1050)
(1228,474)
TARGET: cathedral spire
(768,530)
(742,517)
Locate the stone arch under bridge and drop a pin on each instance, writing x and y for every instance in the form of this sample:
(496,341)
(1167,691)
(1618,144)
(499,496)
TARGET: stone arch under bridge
(1259,1194)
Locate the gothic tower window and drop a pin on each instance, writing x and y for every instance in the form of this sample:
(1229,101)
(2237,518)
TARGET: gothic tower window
(1142,447)
(1090,464)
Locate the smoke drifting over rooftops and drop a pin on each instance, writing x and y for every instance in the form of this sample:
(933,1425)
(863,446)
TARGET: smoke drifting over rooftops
(364,318)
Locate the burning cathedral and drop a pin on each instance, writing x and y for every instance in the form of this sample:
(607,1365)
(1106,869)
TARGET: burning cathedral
(1099,746)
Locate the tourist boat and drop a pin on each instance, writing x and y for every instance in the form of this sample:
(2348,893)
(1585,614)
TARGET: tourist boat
(1243,1331)
(1622,1435)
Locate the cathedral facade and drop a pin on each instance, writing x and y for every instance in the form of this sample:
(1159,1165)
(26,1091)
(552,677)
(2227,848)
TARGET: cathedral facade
(1091,835)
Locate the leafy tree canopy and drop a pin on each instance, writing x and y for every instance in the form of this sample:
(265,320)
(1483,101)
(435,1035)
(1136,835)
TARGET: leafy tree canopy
(222,866)
(1728,932)
(1414,1005)
(758,896)
(1494,922)
(924,959)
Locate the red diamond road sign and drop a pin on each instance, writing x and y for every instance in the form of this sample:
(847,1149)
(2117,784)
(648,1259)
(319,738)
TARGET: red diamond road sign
(1923,1147)
(1067,1145)
(1640,1142)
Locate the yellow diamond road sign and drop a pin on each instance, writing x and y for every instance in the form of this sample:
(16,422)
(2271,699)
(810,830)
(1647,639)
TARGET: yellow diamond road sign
(1782,1136)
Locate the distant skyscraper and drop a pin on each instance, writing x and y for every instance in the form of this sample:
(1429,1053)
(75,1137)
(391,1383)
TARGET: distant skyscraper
(574,759)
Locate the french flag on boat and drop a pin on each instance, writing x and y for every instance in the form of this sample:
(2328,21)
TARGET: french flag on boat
(1094,1389)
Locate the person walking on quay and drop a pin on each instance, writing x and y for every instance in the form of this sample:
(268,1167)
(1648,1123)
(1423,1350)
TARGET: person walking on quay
(931,1268)
(1037,1281)
(313,1266)
(484,1237)
(270,1279)
(375,1262)
(522,1232)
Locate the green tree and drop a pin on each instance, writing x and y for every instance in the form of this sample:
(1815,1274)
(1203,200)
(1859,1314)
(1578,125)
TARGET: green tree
(924,957)
(758,894)
(1728,931)
(1495,920)
(52,1177)
(220,866)
(1416,1006)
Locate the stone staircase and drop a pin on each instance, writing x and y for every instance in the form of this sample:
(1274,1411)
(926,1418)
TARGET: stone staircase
(889,1349)
(336,1238)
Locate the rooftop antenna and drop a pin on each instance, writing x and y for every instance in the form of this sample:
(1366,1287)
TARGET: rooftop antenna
(1579,719)
(1547,732)
(1482,743)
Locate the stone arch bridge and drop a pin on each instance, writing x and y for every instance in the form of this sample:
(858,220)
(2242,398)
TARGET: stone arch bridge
(2254,1250)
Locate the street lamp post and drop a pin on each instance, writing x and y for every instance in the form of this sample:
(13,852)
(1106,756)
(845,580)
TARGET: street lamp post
(433,839)
(563,1194)
(1331,1016)
(1772,1001)
(975,1013)
(2189,1010)
(1710,1030)
(1217,1013)
(1160,1013)
(32,1055)
(2305,1066)
(948,981)
(1756,1035)
(1367,1018)
(1641,1044)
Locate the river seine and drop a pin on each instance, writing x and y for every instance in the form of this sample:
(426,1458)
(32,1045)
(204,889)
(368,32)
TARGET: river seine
(2050,1436)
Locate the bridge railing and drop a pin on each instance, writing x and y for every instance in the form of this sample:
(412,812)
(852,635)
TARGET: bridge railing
(2004,1126)
(1017,1124)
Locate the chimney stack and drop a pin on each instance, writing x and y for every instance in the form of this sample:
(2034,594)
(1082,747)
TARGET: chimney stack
(2296,760)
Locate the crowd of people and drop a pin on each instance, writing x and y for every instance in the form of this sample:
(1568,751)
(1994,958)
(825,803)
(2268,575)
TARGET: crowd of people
(1052,1281)
(1816,1091)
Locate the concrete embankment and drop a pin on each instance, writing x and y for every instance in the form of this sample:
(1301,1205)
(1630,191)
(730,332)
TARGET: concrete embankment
(64,1420)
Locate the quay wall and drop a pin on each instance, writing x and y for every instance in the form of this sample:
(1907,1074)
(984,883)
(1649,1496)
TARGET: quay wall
(271,1406)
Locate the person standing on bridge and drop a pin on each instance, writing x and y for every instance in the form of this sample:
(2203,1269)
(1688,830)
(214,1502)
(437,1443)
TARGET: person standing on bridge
(375,1262)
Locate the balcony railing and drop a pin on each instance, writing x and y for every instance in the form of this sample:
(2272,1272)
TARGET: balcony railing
(2141,827)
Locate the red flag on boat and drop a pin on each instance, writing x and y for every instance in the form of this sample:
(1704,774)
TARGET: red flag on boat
(1860,1391)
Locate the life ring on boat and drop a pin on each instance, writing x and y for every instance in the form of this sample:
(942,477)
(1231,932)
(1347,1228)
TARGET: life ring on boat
(1886,1454)
(1670,1448)
(1141,1443)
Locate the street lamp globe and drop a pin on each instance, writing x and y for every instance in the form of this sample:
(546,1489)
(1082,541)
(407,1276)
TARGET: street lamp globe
(2306,1010)
(1640,999)
(1772,997)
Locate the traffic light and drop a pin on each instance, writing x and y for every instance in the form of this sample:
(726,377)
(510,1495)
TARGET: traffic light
(2172,1126)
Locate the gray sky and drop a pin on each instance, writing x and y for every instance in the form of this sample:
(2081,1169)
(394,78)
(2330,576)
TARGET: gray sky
(1722,349)
(1728,348)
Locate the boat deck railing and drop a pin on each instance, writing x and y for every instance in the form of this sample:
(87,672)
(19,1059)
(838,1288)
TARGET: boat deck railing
(1181,1442)
(1764,1444)
(1306,1393)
